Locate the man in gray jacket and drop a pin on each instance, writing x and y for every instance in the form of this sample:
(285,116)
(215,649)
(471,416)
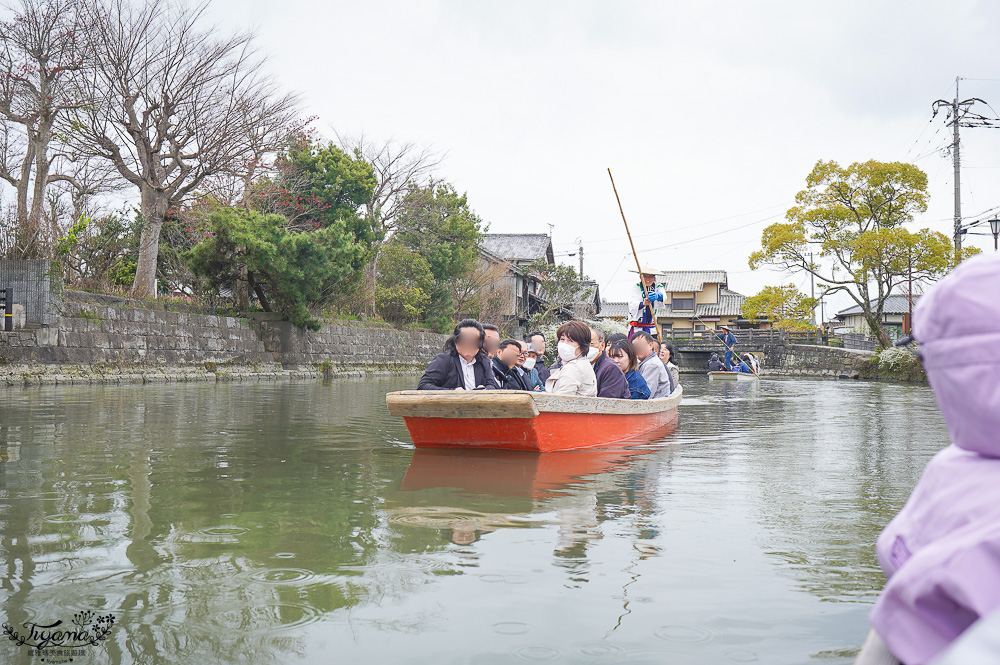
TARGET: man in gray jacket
(651,367)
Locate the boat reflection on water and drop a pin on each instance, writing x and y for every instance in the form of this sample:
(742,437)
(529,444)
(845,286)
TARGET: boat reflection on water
(473,492)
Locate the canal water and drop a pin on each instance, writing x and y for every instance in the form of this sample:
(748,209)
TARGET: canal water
(295,523)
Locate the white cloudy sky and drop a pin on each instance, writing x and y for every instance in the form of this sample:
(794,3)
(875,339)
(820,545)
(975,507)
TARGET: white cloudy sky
(710,114)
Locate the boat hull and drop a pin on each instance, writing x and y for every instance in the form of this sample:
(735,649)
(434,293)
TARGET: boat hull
(732,376)
(514,420)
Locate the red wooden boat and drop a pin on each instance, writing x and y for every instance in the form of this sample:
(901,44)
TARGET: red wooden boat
(517,420)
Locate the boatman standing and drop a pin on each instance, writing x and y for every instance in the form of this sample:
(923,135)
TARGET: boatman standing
(729,339)
(644,305)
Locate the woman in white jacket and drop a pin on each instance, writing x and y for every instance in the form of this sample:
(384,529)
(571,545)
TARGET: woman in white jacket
(576,375)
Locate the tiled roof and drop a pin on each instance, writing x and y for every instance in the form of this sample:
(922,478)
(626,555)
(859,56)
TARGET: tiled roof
(518,246)
(681,281)
(731,305)
(893,305)
(613,310)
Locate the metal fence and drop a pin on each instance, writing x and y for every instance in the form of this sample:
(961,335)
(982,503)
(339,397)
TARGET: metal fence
(36,284)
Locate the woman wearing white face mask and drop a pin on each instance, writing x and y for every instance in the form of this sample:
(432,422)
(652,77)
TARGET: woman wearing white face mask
(576,375)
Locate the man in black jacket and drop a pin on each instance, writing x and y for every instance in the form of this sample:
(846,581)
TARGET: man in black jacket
(463,365)
(716,365)
(505,366)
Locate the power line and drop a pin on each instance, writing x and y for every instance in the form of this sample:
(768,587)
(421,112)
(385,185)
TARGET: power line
(712,235)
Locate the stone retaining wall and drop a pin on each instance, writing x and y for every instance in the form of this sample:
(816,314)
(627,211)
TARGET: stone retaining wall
(103,338)
(810,360)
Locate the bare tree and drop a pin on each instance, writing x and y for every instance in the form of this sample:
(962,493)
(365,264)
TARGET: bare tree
(400,168)
(241,184)
(482,292)
(173,104)
(41,56)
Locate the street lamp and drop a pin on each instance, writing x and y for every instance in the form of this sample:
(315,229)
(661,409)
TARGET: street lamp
(995,228)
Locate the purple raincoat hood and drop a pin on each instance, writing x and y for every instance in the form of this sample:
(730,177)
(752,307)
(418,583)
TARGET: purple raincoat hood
(941,553)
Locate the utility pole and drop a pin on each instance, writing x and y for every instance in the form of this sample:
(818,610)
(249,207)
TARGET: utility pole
(909,277)
(581,261)
(960,115)
(812,288)
(956,158)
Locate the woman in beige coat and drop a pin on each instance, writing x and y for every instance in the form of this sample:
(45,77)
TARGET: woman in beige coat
(576,375)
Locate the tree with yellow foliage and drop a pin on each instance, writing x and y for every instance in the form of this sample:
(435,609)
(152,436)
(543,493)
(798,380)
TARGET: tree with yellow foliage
(852,220)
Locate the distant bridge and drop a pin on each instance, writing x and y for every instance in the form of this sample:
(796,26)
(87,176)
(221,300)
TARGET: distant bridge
(694,348)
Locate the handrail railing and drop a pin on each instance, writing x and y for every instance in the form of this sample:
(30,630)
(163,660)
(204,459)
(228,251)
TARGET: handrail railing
(753,336)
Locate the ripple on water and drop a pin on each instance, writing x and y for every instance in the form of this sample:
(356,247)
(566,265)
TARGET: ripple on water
(537,653)
(683,634)
(510,628)
(215,534)
(269,617)
(505,579)
(283,576)
(600,650)
(63,518)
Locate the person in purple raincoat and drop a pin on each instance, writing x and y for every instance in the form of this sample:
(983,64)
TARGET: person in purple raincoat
(941,552)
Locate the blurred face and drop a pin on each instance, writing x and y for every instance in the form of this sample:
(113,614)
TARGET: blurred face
(596,343)
(647,280)
(522,353)
(508,354)
(642,348)
(620,359)
(467,343)
(664,353)
(539,343)
(492,343)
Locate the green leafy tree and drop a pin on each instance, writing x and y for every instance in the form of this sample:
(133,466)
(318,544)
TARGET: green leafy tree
(290,271)
(101,252)
(437,223)
(319,184)
(853,218)
(785,306)
(403,284)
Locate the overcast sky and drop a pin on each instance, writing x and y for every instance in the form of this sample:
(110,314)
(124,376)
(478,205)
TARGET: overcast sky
(710,114)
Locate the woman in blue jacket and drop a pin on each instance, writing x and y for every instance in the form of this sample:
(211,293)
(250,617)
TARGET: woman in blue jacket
(622,353)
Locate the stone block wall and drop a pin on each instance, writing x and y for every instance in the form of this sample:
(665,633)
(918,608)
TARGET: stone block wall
(811,360)
(103,329)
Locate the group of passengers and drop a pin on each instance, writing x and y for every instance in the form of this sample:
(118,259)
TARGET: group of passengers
(748,364)
(475,357)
